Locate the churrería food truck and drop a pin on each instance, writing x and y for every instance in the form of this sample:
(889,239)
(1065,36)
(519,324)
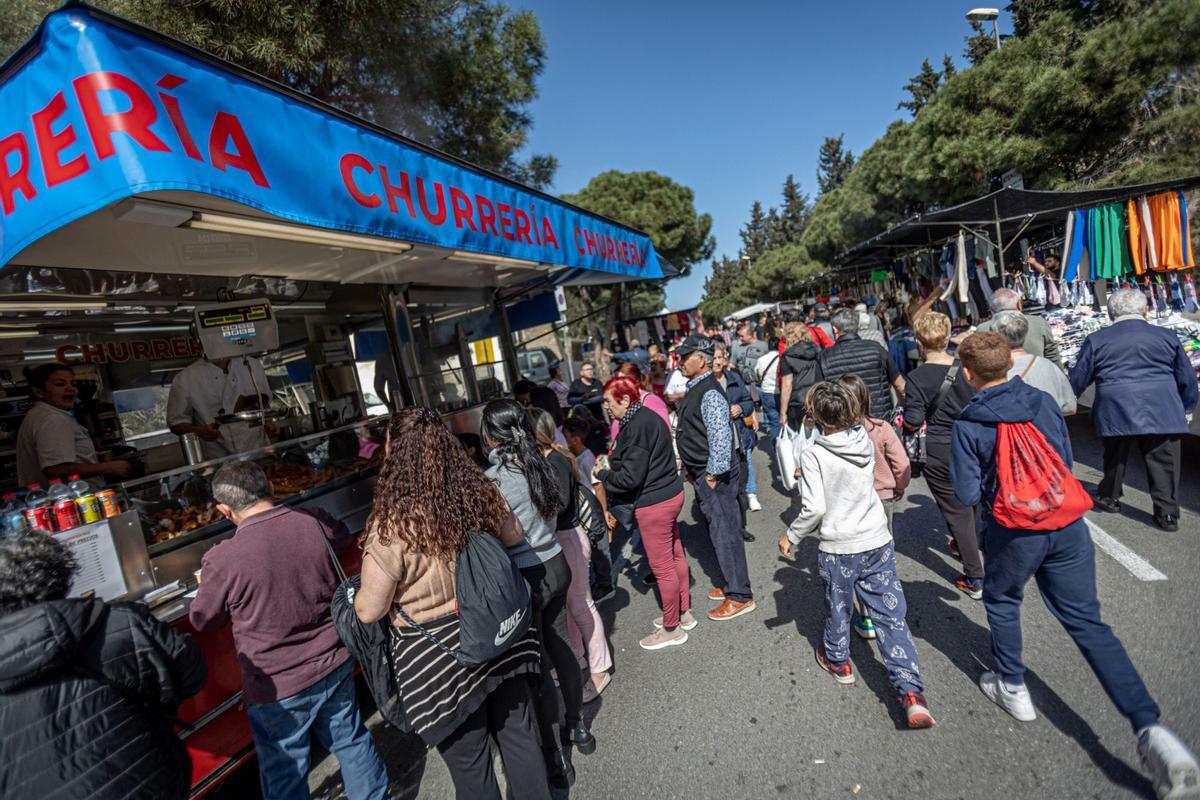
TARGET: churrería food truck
(200,265)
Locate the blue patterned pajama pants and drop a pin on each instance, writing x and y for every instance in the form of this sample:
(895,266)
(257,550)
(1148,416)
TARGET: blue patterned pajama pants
(873,575)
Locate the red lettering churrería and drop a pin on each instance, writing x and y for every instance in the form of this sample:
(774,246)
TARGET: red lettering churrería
(22,175)
(114,111)
(370,185)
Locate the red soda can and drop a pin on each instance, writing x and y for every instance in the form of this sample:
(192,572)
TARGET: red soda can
(109,504)
(40,518)
(66,514)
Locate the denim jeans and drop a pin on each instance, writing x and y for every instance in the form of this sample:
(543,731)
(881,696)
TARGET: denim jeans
(751,478)
(626,538)
(770,406)
(328,709)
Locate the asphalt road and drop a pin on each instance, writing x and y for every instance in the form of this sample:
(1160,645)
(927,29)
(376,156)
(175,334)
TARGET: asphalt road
(742,710)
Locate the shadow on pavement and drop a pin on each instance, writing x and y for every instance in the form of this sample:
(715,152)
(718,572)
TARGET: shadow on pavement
(967,645)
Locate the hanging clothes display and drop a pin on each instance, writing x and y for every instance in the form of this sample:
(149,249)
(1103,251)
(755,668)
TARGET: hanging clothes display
(1074,244)
(1141,235)
(1159,232)
(1108,246)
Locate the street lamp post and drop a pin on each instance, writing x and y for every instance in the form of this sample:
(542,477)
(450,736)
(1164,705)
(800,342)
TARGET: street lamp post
(991,15)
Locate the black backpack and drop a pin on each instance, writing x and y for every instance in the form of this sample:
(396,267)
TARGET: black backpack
(492,602)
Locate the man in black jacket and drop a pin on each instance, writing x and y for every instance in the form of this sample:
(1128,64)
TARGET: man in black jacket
(851,355)
(704,437)
(88,690)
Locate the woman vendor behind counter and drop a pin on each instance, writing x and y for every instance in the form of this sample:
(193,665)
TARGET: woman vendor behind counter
(50,443)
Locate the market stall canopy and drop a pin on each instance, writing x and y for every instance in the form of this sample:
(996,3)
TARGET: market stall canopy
(1016,211)
(750,311)
(122,149)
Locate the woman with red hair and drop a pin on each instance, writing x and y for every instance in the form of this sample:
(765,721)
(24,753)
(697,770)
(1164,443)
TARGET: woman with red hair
(642,473)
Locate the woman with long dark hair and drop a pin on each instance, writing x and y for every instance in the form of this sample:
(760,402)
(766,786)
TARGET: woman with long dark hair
(429,497)
(585,629)
(530,485)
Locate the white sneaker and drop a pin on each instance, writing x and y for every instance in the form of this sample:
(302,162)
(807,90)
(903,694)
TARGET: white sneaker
(1171,765)
(754,504)
(686,621)
(1018,704)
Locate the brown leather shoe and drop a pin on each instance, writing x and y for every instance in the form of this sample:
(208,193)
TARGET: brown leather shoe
(731,608)
(716,595)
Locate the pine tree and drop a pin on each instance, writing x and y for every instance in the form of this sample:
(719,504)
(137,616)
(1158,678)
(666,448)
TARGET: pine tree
(754,233)
(833,164)
(797,206)
(980,44)
(948,68)
(921,88)
(775,232)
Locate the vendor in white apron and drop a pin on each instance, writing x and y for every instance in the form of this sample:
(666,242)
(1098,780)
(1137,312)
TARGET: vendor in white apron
(50,443)
(205,390)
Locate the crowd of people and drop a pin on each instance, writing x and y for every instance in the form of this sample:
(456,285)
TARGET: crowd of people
(566,481)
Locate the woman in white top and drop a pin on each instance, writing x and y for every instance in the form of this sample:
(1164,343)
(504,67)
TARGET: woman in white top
(50,443)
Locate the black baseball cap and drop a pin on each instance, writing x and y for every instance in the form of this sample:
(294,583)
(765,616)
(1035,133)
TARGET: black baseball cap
(695,343)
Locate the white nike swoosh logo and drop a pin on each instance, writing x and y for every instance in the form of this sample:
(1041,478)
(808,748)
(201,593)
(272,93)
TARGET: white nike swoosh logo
(501,638)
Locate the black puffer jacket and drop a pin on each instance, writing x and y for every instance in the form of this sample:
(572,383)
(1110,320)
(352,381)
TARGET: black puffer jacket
(66,731)
(800,361)
(866,359)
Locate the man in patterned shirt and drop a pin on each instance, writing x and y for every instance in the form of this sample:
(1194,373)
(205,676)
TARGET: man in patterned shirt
(705,441)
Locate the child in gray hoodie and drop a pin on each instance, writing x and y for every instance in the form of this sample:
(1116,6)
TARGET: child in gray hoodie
(856,550)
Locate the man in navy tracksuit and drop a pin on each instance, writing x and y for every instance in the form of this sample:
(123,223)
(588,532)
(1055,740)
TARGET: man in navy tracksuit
(1062,562)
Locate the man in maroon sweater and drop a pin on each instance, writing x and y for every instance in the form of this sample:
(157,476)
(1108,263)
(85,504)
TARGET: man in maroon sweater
(273,580)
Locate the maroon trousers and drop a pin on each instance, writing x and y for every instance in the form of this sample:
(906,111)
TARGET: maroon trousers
(659,524)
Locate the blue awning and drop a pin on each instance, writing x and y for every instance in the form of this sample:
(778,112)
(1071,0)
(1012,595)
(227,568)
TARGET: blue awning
(99,115)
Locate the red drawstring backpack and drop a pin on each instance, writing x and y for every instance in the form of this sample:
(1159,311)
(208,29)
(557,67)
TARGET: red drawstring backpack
(1034,489)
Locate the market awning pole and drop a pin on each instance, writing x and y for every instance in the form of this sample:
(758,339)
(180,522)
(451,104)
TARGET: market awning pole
(468,366)
(999,235)
(391,309)
(506,344)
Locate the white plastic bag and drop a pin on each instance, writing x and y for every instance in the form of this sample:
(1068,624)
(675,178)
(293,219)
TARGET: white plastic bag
(789,446)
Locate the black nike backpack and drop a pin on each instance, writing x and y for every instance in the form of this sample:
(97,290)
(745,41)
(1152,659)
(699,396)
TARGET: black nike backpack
(492,602)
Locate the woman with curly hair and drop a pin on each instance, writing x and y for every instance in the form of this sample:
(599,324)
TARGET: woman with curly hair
(531,486)
(585,629)
(430,496)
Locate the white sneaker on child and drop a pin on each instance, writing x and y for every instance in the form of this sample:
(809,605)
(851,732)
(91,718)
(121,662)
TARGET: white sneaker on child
(1017,702)
(1171,765)
(752,500)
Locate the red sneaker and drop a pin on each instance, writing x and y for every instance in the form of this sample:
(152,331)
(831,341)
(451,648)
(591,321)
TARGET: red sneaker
(954,551)
(841,671)
(917,711)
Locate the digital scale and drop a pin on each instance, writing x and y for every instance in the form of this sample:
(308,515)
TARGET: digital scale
(240,328)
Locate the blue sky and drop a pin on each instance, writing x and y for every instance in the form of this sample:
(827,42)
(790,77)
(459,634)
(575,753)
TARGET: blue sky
(726,97)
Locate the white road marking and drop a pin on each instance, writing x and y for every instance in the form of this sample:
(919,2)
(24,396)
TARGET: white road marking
(1140,567)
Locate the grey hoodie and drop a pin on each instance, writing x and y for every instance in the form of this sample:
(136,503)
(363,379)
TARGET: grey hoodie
(540,543)
(837,492)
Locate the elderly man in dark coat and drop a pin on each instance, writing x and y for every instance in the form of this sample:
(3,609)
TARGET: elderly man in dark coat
(1144,384)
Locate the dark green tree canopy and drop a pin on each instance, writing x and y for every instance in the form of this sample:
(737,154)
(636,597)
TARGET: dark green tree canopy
(833,164)
(754,232)
(1086,93)
(455,74)
(656,205)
